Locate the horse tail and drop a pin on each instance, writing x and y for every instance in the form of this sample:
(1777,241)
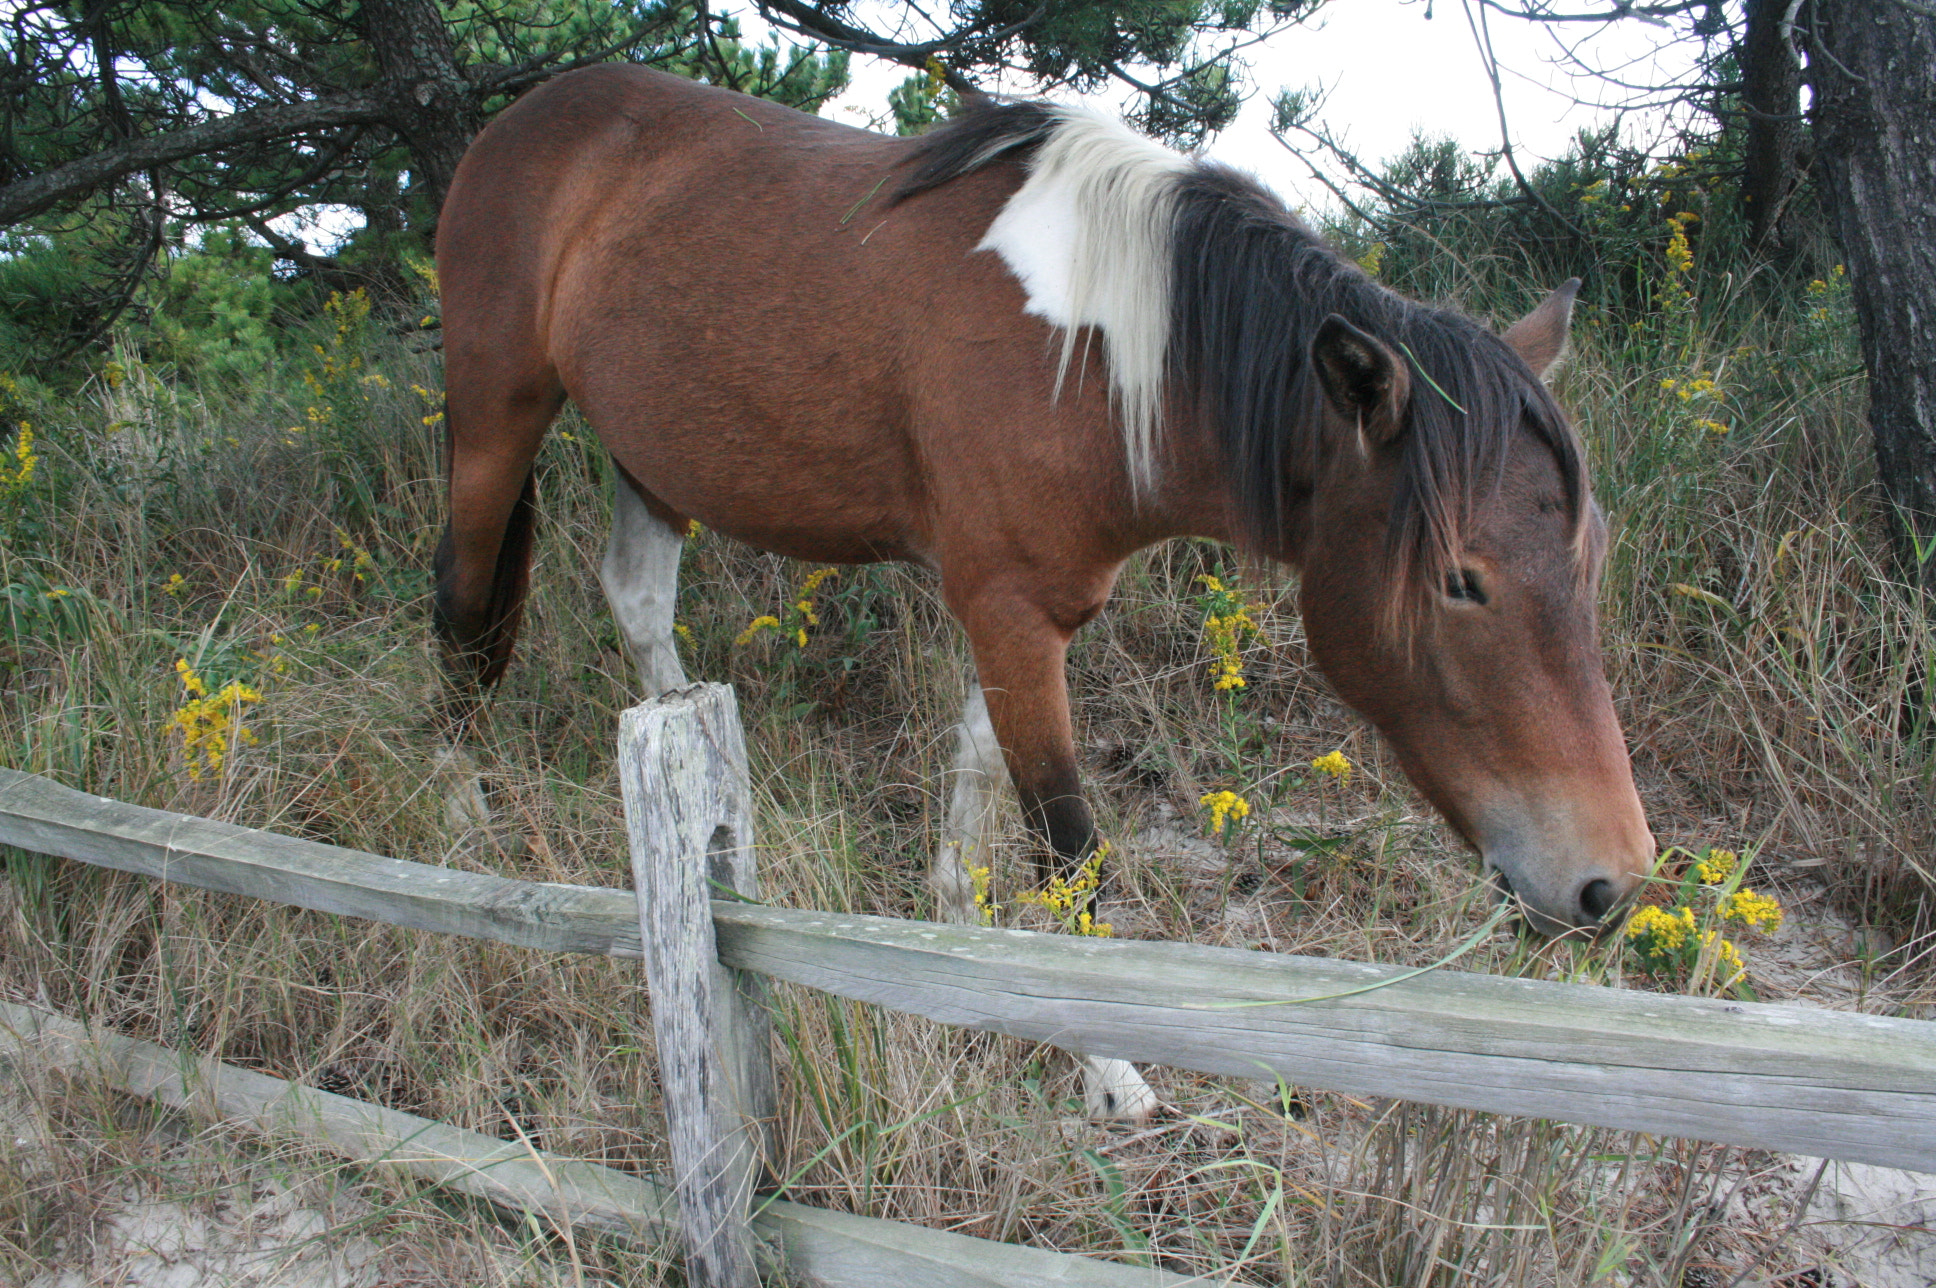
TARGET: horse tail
(477,627)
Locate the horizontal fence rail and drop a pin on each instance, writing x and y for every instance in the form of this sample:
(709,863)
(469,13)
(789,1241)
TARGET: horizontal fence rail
(1826,1083)
(798,1243)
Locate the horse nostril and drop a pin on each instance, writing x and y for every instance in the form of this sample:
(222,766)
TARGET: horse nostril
(1597,899)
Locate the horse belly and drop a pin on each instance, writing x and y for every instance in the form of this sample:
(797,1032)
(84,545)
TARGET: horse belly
(800,476)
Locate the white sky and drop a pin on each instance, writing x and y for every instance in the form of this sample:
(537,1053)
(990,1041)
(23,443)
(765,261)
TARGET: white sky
(1388,71)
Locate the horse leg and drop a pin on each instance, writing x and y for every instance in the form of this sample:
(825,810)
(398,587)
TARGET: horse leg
(966,837)
(483,561)
(1025,699)
(640,574)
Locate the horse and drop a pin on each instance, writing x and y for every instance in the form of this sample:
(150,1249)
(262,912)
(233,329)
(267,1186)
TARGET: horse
(1016,350)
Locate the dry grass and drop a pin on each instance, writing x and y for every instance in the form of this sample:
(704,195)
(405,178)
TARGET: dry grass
(1780,711)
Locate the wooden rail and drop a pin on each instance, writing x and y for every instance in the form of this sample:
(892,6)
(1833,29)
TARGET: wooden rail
(796,1243)
(1826,1083)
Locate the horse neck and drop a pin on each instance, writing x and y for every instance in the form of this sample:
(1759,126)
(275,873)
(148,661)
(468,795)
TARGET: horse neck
(1194,497)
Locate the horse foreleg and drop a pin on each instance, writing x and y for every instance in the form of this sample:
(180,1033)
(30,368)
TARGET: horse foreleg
(640,574)
(1025,700)
(967,835)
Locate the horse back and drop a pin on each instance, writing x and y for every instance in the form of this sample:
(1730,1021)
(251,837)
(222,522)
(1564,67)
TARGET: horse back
(758,337)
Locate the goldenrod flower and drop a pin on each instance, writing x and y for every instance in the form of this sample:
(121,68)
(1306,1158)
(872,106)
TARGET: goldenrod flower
(1226,808)
(14,478)
(1227,624)
(1064,900)
(1716,866)
(1754,910)
(174,584)
(985,907)
(1334,764)
(210,724)
(753,628)
(1660,932)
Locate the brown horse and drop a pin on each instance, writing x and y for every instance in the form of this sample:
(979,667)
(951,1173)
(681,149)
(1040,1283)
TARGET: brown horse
(1018,350)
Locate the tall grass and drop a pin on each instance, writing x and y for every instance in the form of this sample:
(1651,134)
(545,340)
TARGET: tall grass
(1767,666)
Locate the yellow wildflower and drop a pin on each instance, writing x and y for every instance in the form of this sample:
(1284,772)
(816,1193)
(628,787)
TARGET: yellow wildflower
(1065,900)
(985,907)
(1751,909)
(1335,764)
(14,478)
(1665,931)
(1716,866)
(1226,808)
(753,628)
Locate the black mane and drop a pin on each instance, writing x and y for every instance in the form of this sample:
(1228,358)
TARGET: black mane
(1250,285)
(983,130)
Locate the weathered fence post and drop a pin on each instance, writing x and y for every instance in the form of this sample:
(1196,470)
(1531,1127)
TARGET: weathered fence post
(689,818)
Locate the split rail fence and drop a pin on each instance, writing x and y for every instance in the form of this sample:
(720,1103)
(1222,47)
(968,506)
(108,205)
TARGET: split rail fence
(1825,1083)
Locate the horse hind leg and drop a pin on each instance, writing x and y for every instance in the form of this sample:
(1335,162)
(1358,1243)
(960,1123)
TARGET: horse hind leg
(640,574)
(969,832)
(482,564)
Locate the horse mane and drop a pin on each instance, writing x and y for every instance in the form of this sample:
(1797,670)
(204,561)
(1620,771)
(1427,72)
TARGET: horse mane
(1246,285)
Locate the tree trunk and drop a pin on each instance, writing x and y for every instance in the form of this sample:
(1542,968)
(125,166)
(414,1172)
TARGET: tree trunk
(1771,95)
(1873,64)
(427,98)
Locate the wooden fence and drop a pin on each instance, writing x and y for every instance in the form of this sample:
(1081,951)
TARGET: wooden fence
(1824,1083)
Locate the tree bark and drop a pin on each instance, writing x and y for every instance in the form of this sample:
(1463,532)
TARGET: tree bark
(1771,94)
(1873,65)
(427,98)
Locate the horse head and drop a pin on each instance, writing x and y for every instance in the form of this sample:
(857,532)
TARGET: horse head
(1464,625)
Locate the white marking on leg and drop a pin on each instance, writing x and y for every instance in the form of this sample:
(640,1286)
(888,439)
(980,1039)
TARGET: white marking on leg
(967,835)
(640,574)
(1112,1091)
(465,808)
(1089,237)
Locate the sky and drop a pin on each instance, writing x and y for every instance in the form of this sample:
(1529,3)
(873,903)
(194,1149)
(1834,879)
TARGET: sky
(1389,70)
(1386,68)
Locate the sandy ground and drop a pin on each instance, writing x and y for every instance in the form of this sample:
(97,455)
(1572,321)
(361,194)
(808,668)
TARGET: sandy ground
(268,1239)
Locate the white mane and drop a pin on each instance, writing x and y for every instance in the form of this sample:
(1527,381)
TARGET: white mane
(1089,237)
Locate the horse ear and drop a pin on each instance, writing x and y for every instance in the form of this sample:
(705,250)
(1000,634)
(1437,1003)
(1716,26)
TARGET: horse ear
(1540,336)
(1363,380)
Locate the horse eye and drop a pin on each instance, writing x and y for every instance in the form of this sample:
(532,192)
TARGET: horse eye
(1463,584)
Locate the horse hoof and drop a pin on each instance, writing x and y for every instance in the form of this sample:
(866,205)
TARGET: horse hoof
(1113,1091)
(465,807)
